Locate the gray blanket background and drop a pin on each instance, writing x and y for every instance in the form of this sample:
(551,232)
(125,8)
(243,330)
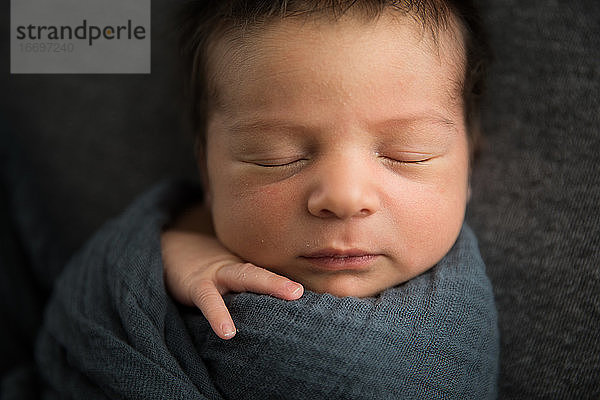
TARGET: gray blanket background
(75,150)
(112,332)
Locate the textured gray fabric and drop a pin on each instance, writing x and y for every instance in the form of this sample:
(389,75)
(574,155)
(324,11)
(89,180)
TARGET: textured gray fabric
(17,286)
(536,195)
(111,331)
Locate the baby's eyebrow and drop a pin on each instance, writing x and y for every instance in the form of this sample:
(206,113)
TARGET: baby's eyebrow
(416,119)
(253,126)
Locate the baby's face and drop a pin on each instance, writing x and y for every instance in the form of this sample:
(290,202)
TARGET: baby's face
(337,155)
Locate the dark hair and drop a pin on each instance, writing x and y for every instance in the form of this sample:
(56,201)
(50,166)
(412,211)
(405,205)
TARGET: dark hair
(202,21)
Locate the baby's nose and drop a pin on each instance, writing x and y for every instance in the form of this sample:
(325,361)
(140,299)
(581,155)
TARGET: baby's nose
(343,191)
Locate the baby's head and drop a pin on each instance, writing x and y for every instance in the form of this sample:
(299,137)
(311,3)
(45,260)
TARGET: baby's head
(335,136)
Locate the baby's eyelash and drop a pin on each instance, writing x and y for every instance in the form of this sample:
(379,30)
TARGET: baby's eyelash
(420,161)
(415,161)
(275,165)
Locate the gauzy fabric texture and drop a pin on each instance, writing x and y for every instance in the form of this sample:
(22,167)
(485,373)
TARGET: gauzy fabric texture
(112,331)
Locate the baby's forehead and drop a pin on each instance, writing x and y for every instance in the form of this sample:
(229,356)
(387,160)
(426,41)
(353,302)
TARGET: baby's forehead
(324,37)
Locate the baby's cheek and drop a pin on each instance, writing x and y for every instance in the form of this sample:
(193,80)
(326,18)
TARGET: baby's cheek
(426,222)
(256,223)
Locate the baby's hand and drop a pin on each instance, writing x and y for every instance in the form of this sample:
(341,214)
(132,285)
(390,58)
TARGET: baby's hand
(199,270)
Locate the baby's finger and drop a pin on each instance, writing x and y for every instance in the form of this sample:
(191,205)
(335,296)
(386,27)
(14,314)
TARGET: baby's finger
(207,298)
(250,278)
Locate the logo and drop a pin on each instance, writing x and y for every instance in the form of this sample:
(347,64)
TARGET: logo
(80,36)
(84,32)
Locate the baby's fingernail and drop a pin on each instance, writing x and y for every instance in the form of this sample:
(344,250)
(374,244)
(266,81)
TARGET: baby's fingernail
(293,288)
(228,330)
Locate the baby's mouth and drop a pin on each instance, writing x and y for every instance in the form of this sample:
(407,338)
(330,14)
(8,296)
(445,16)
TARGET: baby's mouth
(341,259)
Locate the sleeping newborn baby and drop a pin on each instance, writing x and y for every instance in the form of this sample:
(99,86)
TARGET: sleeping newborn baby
(335,153)
(335,143)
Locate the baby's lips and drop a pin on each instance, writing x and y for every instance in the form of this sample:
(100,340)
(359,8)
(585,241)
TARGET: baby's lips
(339,253)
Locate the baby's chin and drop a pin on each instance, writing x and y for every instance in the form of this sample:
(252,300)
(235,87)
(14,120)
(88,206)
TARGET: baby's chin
(345,285)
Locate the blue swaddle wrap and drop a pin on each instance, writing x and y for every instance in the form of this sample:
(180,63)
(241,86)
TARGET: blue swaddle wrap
(111,330)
